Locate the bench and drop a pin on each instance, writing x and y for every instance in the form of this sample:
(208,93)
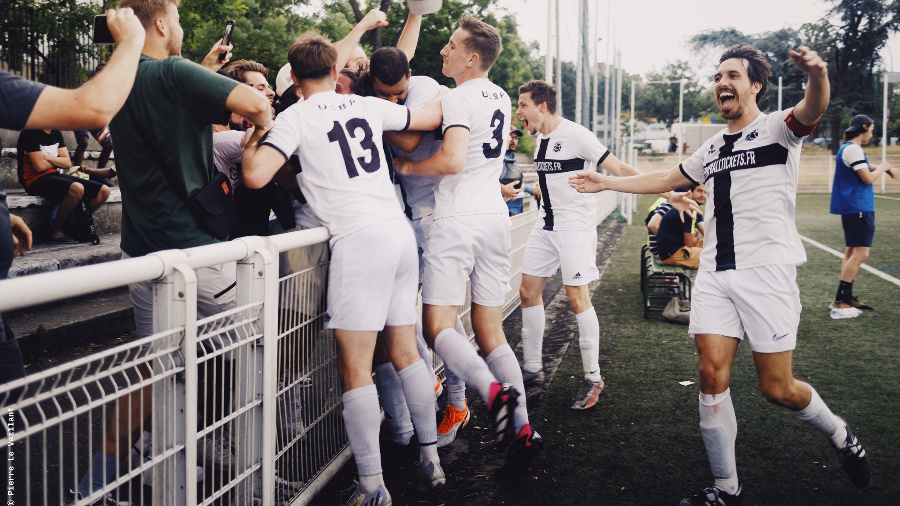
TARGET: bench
(659,282)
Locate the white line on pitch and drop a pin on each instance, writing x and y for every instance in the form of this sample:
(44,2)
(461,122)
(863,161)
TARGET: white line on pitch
(865,267)
(889,198)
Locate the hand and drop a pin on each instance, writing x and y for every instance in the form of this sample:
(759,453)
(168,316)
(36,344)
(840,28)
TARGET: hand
(682,202)
(373,19)
(588,182)
(894,173)
(537,192)
(21,235)
(402,165)
(510,191)
(125,27)
(255,134)
(211,60)
(808,61)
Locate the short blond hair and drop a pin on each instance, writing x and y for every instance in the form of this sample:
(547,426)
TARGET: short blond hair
(312,56)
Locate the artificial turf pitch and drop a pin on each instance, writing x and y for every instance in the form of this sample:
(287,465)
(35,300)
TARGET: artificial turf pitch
(641,444)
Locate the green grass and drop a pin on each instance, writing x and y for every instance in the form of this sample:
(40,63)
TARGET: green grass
(641,443)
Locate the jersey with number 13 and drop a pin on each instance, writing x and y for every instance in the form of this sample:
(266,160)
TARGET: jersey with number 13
(343,173)
(483,108)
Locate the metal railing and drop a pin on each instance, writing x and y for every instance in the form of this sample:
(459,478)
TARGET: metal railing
(244,406)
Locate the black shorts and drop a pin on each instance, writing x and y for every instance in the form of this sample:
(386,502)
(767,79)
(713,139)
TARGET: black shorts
(859,228)
(54,187)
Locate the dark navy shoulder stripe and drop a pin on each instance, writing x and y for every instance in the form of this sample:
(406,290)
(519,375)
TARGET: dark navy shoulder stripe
(600,161)
(681,168)
(460,126)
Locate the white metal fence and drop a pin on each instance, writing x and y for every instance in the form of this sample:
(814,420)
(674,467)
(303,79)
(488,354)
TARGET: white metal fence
(242,407)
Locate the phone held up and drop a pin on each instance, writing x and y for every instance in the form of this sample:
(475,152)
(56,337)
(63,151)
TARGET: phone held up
(226,39)
(102,35)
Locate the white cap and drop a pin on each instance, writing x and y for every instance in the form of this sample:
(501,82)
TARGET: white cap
(283,80)
(422,7)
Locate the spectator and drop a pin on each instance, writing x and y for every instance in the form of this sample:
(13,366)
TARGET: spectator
(654,217)
(42,156)
(853,198)
(183,99)
(673,144)
(678,240)
(26,104)
(511,177)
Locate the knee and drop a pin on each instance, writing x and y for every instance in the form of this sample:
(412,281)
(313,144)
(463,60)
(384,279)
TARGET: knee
(103,194)
(529,298)
(713,377)
(862,255)
(76,190)
(778,393)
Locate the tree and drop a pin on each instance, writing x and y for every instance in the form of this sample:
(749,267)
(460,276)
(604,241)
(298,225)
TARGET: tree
(660,101)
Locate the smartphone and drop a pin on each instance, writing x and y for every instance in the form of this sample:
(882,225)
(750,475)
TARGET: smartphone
(226,39)
(102,35)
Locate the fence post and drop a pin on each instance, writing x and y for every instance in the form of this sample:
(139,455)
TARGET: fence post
(175,306)
(257,281)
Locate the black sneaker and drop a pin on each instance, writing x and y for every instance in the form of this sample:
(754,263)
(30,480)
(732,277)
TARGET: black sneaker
(713,496)
(521,452)
(854,460)
(854,301)
(502,404)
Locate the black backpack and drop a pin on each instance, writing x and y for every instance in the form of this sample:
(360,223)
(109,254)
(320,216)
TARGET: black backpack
(80,225)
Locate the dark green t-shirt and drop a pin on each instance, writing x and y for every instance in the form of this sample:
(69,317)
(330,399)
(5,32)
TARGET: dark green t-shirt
(166,125)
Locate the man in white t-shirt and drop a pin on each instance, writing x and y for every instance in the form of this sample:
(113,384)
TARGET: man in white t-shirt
(372,275)
(565,235)
(747,279)
(469,238)
(390,79)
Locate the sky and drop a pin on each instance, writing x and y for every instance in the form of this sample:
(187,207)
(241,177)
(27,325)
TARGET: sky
(651,33)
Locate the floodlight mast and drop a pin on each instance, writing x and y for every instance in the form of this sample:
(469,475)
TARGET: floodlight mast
(889,77)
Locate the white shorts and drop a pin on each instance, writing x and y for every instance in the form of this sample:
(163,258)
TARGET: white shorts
(461,248)
(575,251)
(216,293)
(372,279)
(763,301)
(422,229)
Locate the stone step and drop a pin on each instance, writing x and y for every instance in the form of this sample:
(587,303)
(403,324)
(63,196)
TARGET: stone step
(48,257)
(36,213)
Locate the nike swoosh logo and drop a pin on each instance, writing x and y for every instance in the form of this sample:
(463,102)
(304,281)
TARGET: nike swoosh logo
(776,337)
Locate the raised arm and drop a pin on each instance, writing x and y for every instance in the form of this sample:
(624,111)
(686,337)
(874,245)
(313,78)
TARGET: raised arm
(94,104)
(260,164)
(373,19)
(678,200)
(815,100)
(409,37)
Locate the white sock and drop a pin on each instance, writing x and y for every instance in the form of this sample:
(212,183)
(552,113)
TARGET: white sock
(533,323)
(718,426)
(505,367)
(456,388)
(420,399)
(371,483)
(460,356)
(589,341)
(361,420)
(390,392)
(823,420)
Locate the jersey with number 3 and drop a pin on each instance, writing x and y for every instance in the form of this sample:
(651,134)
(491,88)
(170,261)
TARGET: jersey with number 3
(343,173)
(482,108)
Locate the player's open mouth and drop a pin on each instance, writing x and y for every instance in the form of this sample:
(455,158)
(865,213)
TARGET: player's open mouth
(726,99)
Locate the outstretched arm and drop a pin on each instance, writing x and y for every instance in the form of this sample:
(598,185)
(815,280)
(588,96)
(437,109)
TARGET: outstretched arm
(651,182)
(679,201)
(815,101)
(94,104)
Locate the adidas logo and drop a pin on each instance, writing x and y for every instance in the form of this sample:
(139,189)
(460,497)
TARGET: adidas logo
(577,275)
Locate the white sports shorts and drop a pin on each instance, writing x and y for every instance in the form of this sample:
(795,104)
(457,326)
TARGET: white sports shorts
(372,278)
(422,229)
(763,301)
(575,251)
(467,248)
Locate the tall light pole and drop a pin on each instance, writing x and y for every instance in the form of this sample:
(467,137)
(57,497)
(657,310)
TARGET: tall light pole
(559,103)
(548,63)
(889,77)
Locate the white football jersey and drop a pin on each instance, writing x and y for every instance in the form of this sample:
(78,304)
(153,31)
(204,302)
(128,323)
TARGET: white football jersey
(417,191)
(568,148)
(343,172)
(482,108)
(751,180)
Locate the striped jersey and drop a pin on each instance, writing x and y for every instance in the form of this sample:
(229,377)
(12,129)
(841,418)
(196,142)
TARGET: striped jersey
(568,148)
(751,180)
(483,108)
